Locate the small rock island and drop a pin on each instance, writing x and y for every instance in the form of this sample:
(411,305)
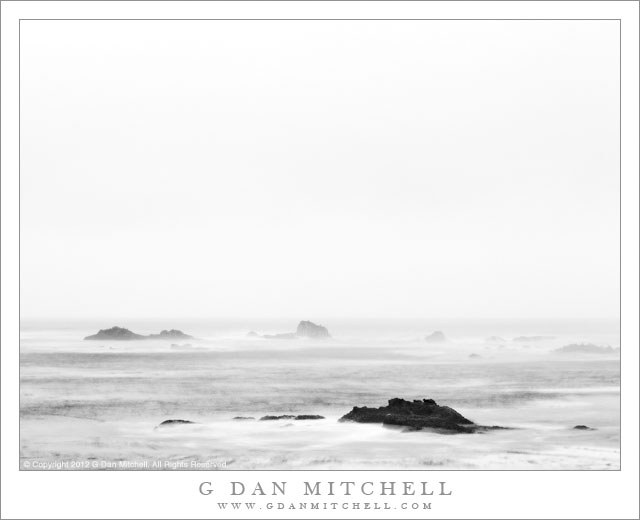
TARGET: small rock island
(122,334)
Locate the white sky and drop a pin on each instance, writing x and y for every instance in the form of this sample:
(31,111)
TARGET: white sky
(320,169)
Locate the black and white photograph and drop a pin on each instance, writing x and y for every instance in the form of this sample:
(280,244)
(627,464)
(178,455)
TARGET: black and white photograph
(367,243)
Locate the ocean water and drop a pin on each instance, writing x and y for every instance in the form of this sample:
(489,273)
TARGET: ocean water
(97,404)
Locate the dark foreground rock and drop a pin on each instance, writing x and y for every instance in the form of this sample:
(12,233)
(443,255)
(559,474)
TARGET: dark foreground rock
(174,422)
(294,417)
(583,427)
(416,415)
(122,334)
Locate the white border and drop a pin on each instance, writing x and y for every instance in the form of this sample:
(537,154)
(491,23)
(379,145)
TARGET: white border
(175,495)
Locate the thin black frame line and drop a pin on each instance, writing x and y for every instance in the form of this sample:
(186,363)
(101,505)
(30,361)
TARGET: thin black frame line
(347,19)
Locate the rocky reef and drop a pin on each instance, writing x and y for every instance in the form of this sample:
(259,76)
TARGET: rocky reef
(416,415)
(122,334)
(586,348)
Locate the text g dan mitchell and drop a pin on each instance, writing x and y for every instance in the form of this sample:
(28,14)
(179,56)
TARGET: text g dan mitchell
(345,488)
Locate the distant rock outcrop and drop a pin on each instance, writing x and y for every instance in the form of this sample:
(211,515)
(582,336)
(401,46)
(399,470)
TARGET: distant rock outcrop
(495,339)
(586,348)
(306,329)
(416,415)
(116,333)
(521,339)
(170,334)
(253,334)
(122,334)
(436,337)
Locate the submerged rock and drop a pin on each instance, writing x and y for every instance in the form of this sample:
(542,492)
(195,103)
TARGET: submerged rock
(284,335)
(186,346)
(294,417)
(174,422)
(116,333)
(583,427)
(436,337)
(521,339)
(416,415)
